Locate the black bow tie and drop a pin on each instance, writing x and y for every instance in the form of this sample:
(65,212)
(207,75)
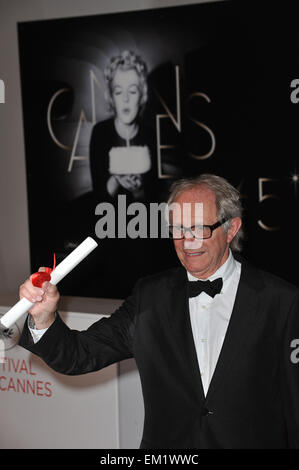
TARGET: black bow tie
(210,287)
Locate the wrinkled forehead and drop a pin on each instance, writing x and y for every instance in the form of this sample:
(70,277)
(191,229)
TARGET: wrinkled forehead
(197,206)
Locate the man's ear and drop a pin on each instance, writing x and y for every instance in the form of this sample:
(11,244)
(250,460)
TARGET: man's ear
(235,225)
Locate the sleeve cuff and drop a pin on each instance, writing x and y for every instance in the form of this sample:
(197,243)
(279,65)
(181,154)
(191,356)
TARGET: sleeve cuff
(36,334)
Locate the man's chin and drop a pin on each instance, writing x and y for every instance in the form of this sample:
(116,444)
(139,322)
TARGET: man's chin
(194,266)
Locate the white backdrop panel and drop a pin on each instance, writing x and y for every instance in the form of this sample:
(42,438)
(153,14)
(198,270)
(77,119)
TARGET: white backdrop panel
(40,408)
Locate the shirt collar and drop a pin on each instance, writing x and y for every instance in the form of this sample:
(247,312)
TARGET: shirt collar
(225,271)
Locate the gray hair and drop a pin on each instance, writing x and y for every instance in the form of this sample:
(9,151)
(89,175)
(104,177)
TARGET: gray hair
(228,202)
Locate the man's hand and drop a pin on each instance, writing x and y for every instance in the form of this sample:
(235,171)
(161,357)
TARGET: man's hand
(45,299)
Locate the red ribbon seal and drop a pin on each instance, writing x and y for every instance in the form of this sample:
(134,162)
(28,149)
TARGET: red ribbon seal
(40,277)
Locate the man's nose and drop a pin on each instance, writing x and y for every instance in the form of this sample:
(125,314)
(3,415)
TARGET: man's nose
(188,234)
(190,242)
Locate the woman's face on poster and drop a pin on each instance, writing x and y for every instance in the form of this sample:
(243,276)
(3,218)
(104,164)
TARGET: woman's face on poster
(126,95)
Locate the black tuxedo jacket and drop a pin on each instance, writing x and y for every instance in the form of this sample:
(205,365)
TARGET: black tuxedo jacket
(253,398)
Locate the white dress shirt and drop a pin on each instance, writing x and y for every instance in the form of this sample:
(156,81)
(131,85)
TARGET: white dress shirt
(210,317)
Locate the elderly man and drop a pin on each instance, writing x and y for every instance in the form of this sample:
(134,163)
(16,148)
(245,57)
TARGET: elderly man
(211,339)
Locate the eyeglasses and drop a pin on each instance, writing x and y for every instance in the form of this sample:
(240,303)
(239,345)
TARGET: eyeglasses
(201,232)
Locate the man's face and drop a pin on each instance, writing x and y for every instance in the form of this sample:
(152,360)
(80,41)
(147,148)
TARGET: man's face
(202,257)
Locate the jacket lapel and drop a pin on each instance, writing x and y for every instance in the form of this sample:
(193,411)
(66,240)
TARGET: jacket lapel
(243,314)
(179,320)
(240,324)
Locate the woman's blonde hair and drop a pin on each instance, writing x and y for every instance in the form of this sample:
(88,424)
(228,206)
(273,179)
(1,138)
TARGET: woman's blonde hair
(127,60)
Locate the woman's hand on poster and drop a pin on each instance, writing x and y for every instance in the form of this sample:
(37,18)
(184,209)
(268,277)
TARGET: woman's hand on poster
(132,183)
(129,182)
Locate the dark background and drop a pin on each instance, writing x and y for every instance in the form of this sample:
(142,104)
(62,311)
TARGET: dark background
(244,58)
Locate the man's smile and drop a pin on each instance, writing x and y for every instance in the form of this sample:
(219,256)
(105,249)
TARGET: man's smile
(193,253)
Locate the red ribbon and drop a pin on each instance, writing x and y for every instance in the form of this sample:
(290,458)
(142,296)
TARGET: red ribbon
(40,277)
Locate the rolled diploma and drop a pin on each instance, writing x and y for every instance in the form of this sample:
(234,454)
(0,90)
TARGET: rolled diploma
(63,268)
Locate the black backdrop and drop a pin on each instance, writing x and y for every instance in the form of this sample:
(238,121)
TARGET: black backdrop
(236,68)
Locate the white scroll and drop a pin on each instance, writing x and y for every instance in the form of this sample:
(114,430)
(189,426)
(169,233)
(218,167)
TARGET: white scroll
(61,270)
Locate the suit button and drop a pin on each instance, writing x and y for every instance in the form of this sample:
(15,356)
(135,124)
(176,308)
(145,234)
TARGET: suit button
(206,412)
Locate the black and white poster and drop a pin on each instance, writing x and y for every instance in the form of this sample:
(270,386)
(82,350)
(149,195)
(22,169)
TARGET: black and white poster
(124,104)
